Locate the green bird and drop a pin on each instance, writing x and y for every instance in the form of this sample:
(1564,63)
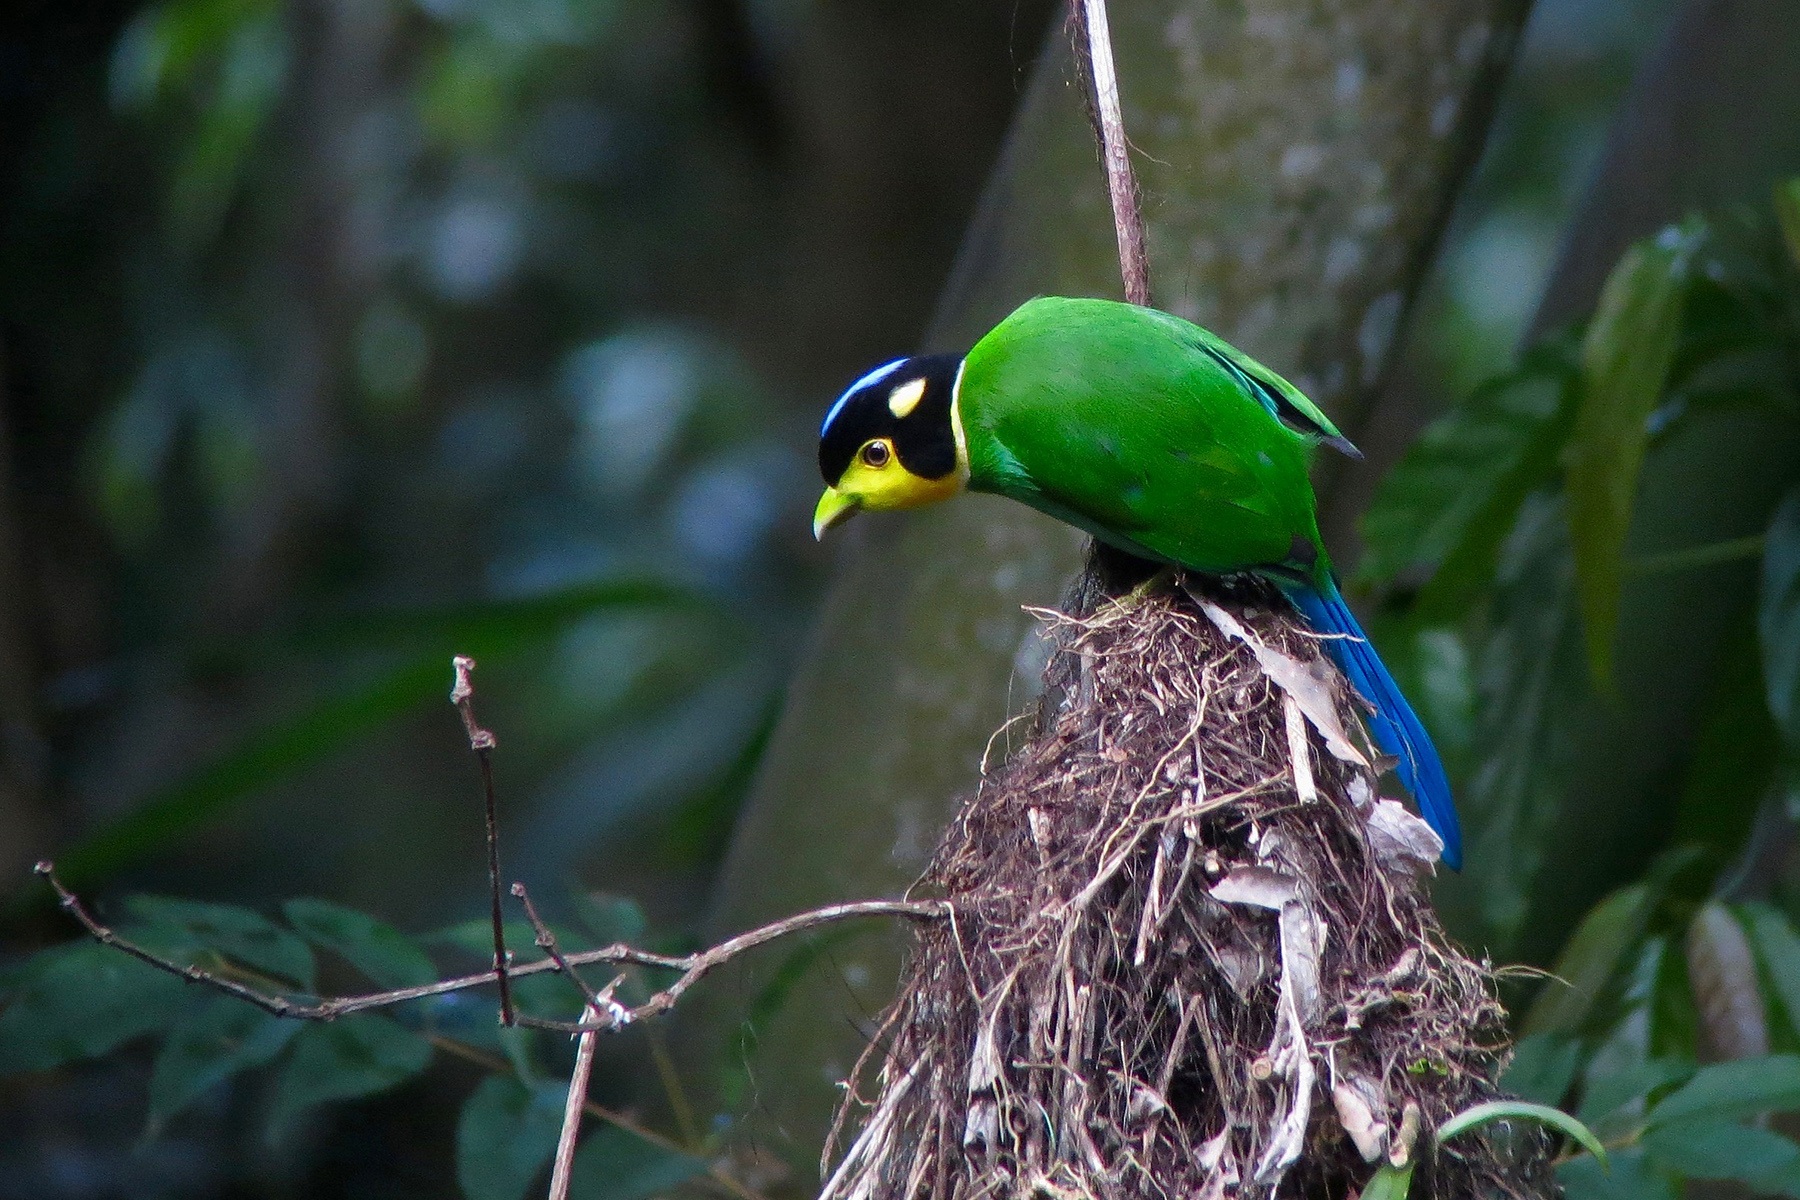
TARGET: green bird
(1149,433)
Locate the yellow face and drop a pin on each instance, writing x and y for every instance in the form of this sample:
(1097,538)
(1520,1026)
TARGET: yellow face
(876,480)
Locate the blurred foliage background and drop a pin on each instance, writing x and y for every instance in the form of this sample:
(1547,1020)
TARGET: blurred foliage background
(337,336)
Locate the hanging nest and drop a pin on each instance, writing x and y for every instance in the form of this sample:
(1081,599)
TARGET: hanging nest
(1191,953)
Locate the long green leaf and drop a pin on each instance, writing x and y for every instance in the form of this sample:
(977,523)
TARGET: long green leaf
(1448,504)
(1520,1110)
(331,725)
(1528,680)
(1730,1091)
(1734,752)
(1625,361)
(1600,950)
(1778,618)
(483,625)
(1763,1161)
(262,759)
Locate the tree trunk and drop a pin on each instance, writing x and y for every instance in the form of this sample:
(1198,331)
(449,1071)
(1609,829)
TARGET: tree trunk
(1297,160)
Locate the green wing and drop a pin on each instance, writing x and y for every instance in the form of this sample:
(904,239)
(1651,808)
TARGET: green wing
(1122,422)
(1287,403)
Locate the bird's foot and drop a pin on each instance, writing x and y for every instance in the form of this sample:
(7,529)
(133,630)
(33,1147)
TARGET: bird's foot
(1137,595)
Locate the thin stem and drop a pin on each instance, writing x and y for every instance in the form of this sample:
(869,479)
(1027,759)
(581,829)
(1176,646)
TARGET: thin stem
(1689,557)
(602,1002)
(597,1003)
(572,1108)
(481,741)
(1089,17)
(618,1120)
(694,966)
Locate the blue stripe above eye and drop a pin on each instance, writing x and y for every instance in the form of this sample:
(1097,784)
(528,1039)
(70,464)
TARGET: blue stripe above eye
(875,376)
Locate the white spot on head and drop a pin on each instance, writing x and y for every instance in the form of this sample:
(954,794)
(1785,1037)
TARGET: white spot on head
(875,376)
(903,399)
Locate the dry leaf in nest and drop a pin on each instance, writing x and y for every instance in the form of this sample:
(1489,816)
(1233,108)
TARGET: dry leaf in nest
(1190,956)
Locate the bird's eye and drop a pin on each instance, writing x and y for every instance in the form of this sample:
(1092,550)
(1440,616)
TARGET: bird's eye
(876,454)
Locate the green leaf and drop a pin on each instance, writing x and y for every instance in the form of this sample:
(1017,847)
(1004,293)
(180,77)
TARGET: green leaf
(1609,1094)
(1778,618)
(1543,1065)
(1734,754)
(427,637)
(1778,946)
(338,1060)
(216,1040)
(1766,1162)
(1631,1178)
(1787,215)
(1729,1091)
(615,1165)
(238,933)
(379,951)
(1674,1017)
(1528,681)
(1389,1183)
(1625,360)
(1601,950)
(1448,504)
(261,759)
(505,1136)
(485,627)
(81,1000)
(1520,1110)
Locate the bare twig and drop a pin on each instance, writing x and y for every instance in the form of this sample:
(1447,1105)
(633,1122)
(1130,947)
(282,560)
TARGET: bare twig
(1087,20)
(481,741)
(578,1086)
(693,966)
(599,1003)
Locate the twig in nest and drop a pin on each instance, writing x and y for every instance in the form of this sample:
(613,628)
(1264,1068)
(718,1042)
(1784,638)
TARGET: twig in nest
(1184,945)
(481,741)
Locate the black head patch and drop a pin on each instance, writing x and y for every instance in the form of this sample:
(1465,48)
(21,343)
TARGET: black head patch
(906,401)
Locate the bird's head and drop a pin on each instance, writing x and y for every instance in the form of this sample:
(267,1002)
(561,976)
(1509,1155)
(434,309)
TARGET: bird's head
(893,440)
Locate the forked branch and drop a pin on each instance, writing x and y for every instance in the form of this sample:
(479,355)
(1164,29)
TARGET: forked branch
(693,967)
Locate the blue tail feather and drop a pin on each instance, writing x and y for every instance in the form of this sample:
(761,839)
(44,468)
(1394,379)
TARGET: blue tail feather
(1396,727)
